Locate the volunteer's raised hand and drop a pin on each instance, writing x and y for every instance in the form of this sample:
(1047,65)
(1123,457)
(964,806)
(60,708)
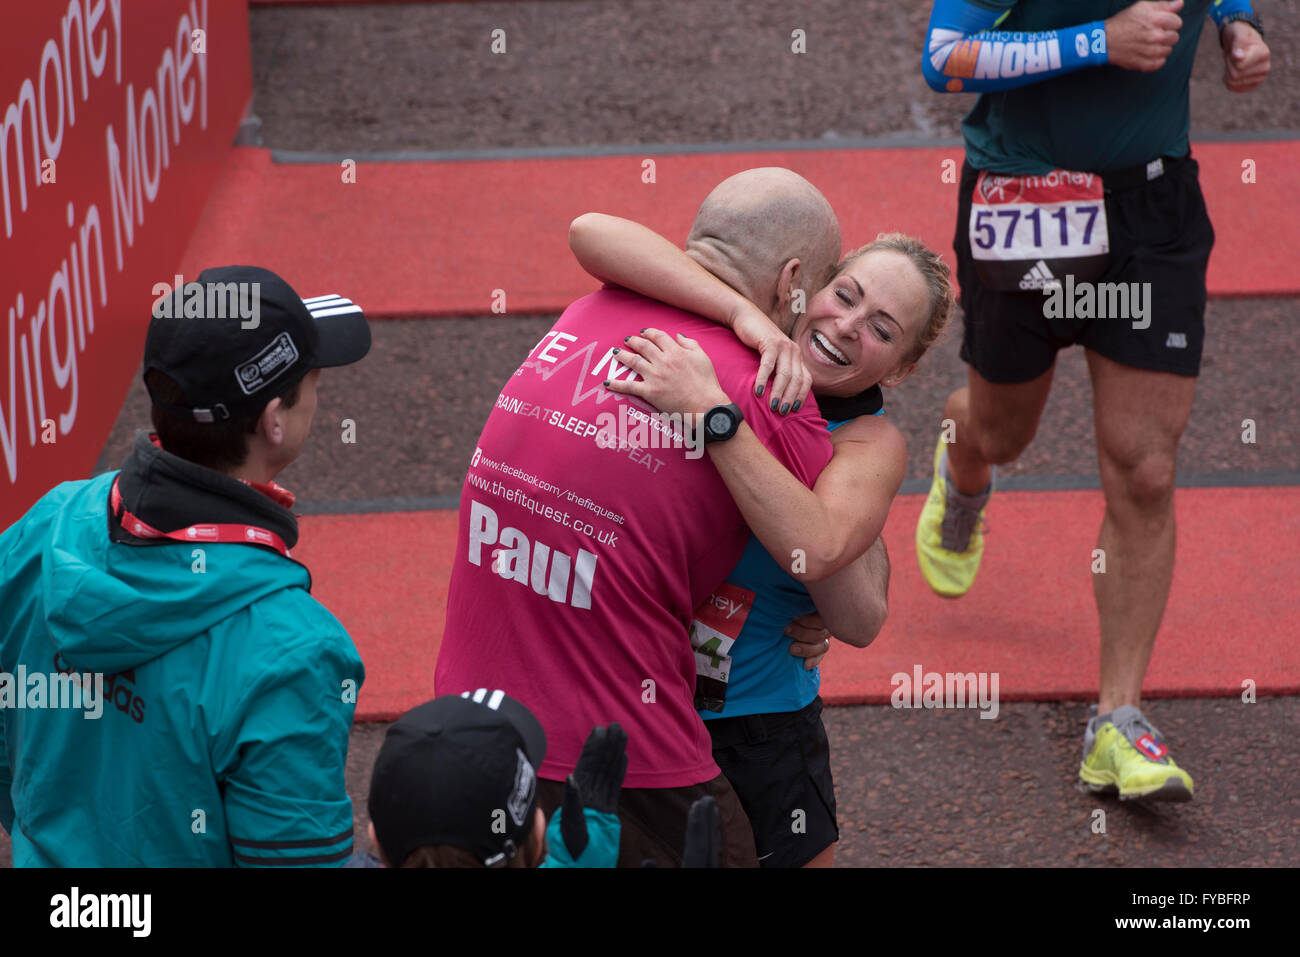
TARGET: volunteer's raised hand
(602,767)
(703,834)
(596,783)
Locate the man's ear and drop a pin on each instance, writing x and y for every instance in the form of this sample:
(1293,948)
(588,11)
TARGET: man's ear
(898,375)
(787,282)
(268,423)
(539,838)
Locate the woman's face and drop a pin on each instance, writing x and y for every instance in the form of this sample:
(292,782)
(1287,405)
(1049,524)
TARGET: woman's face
(859,329)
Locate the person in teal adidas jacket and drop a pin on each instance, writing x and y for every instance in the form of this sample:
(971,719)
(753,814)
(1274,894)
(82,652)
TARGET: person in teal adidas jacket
(170,692)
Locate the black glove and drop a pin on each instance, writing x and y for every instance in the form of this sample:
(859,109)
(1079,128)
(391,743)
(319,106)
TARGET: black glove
(703,834)
(595,783)
(602,767)
(573,822)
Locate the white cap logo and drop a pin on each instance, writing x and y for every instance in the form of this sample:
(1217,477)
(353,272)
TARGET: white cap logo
(525,784)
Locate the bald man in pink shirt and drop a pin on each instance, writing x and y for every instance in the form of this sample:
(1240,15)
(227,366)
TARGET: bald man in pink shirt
(585,544)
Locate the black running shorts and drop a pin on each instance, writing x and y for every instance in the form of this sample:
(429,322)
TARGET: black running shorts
(1160,234)
(780,766)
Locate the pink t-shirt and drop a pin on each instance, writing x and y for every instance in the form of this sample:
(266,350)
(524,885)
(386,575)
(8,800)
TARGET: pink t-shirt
(607,533)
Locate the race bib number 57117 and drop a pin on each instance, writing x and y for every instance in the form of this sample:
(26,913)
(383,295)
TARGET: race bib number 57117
(1028,232)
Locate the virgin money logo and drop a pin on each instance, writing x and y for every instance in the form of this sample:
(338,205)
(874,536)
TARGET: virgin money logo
(1001,189)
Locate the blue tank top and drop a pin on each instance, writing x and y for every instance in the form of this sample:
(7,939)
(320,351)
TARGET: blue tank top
(742,656)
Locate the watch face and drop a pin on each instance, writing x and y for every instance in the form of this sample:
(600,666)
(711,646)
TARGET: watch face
(719,423)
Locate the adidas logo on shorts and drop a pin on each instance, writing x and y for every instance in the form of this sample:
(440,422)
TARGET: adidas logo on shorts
(1039,277)
(1176,340)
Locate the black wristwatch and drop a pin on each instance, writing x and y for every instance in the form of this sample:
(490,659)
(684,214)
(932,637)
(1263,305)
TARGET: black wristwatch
(721,422)
(1251,18)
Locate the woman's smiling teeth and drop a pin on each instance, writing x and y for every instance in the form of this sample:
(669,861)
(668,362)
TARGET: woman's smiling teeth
(823,346)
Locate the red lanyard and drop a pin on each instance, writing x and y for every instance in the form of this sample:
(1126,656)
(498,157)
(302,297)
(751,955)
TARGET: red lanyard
(238,534)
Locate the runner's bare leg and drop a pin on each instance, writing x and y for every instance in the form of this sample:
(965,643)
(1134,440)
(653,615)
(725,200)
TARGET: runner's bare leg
(1139,418)
(993,424)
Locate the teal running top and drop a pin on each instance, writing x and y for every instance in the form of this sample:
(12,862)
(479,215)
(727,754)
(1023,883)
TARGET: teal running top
(762,676)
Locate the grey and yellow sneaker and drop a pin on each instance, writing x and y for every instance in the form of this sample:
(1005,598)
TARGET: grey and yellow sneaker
(1123,753)
(950,532)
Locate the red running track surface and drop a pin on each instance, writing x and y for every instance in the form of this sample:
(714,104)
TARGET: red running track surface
(1232,613)
(432,239)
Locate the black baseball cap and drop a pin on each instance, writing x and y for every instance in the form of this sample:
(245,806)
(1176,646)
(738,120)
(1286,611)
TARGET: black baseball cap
(240,336)
(460,770)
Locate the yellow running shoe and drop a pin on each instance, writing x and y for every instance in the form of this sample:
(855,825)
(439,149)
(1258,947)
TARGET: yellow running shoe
(1123,752)
(950,532)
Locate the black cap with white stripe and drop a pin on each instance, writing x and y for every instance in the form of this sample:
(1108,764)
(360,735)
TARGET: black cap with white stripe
(240,336)
(460,770)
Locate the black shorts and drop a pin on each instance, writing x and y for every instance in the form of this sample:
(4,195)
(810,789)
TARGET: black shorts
(1160,234)
(780,765)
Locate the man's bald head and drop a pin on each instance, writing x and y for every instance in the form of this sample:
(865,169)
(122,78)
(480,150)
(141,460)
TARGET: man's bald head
(767,232)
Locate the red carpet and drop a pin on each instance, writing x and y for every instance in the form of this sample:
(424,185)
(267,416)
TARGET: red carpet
(1030,618)
(421,239)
